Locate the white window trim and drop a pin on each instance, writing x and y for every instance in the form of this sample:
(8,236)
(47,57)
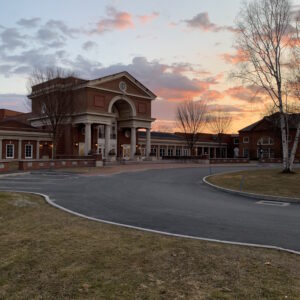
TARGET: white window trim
(31,151)
(246,141)
(13,151)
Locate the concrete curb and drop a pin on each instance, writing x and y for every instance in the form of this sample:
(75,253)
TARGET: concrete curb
(51,203)
(249,195)
(13,174)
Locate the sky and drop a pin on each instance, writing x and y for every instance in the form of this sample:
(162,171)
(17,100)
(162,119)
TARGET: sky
(180,50)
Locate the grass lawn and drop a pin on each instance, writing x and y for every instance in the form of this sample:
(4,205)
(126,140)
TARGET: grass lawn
(267,182)
(48,254)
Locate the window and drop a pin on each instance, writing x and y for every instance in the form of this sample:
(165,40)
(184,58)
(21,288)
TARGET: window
(265,141)
(236,141)
(246,139)
(185,152)
(170,152)
(178,151)
(101,132)
(245,152)
(153,150)
(28,151)
(265,153)
(10,151)
(161,152)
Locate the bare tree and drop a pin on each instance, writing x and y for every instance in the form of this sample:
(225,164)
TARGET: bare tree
(52,99)
(219,123)
(265,36)
(191,117)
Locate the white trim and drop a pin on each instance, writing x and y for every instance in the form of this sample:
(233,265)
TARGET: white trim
(120,92)
(118,76)
(246,137)
(124,98)
(31,151)
(13,151)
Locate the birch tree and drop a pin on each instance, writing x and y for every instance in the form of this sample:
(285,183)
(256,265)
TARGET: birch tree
(191,118)
(265,35)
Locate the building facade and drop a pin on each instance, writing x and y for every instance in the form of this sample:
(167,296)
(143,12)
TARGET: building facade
(106,115)
(112,116)
(262,139)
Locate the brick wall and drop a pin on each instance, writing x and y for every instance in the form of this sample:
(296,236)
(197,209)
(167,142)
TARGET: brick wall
(25,165)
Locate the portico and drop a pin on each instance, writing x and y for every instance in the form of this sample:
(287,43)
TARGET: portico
(118,107)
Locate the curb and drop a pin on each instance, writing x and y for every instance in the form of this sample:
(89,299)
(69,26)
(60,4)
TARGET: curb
(249,195)
(259,246)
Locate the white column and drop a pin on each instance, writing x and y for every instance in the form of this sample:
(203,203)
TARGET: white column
(148,142)
(37,149)
(87,140)
(20,149)
(0,149)
(133,142)
(107,140)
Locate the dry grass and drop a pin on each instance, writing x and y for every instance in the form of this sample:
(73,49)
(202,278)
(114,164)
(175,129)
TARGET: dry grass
(48,254)
(266,182)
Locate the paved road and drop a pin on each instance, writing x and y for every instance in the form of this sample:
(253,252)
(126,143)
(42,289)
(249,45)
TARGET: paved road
(170,200)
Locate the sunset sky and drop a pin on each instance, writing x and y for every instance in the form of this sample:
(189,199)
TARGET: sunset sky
(179,49)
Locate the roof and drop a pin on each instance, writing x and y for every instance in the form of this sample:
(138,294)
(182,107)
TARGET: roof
(6,113)
(128,76)
(15,125)
(251,127)
(272,121)
(161,135)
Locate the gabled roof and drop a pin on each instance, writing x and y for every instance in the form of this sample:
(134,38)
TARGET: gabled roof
(251,127)
(273,121)
(120,75)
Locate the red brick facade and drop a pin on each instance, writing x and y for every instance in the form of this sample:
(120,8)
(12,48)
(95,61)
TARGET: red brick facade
(262,140)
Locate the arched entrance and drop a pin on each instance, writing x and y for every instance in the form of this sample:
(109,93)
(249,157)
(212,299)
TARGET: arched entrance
(123,135)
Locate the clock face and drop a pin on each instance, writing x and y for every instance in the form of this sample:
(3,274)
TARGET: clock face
(127,133)
(123,86)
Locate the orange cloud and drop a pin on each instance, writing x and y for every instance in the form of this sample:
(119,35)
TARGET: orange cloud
(148,18)
(117,21)
(249,94)
(236,58)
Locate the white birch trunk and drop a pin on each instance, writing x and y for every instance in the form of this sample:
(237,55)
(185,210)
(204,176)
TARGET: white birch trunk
(285,149)
(295,145)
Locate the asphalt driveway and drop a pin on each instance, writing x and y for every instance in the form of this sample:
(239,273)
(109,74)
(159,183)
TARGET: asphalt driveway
(170,200)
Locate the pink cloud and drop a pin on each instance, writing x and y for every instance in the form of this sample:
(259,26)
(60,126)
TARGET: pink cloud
(117,20)
(249,94)
(236,58)
(148,18)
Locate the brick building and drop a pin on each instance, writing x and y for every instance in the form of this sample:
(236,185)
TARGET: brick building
(112,115)
(106,114)
(19,140)
(262,139)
